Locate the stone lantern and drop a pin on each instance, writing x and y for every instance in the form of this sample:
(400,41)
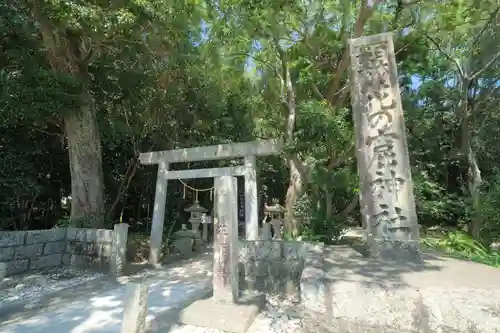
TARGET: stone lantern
(196,211)
(277,213)
(184,240)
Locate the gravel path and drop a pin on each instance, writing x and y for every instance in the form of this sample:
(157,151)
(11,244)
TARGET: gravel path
(278,316)
(28,286)
(101,312)
(88,303)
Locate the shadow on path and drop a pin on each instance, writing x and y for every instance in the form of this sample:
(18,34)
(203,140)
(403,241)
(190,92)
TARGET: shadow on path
(170,288)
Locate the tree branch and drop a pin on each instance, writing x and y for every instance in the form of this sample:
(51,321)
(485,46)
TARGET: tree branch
(488,64)
(485,27)
(365,12)
(265,62)
(447,56)
(350,207)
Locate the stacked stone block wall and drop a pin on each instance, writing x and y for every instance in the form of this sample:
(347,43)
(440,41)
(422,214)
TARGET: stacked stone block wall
(88,247)
(24,251)
(272,265)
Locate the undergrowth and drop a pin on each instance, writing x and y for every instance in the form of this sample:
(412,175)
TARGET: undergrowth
(461,245)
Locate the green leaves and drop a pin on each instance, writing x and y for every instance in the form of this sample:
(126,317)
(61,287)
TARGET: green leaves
(460,245)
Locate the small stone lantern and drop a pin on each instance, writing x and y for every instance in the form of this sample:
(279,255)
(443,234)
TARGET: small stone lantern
(184,240)
(196,218)
(277,215)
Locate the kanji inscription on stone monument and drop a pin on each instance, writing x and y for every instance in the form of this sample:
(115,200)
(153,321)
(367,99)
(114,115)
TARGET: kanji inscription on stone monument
(386,195)
(225,274)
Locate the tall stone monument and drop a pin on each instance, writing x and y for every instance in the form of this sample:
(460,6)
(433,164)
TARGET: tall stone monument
(227,310)
(225,274)
(386,193)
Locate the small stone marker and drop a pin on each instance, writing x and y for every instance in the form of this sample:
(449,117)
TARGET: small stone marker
(205,232)
(386,195)
(136,308)
(225,274)
(205,220)
(119,248)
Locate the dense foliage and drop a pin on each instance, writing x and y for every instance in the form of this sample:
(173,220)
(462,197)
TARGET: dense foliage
(87,85)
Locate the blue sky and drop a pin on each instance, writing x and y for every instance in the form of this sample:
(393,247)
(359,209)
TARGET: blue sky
(250,64)
(416,82)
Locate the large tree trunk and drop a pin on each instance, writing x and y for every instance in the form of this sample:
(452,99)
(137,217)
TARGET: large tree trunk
(85,157)
(474,180)
(328,204)
(292,194)
(474,184)
(66,54)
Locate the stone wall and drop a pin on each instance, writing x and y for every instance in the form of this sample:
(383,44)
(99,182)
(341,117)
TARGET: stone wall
(24,251)
(272,266)
(32,250)
(88,247)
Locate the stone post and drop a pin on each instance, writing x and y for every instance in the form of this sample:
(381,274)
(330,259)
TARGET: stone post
(386,195)
(251,202)
(135,309)
(225,274)
(266,231)
(119,248)
(276,223)
(205,231)
(158,214)
(3,271)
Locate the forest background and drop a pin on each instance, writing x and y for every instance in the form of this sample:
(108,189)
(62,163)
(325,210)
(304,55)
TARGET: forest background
(88,85)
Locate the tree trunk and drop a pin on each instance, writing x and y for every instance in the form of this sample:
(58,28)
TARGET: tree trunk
(124,185)
(474,184)
(65,54)
(85,159)
(328,204)
(294,190)
(474,180)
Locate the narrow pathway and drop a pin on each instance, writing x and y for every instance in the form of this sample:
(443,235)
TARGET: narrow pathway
(170,289)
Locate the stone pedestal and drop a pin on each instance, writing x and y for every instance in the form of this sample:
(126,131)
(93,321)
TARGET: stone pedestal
(135,308)
(119,248)
(265,231)
(386,189)
(276,228)
(184,240)
(226,317)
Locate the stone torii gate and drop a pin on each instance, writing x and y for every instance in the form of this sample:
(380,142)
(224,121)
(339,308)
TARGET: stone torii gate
(247,150)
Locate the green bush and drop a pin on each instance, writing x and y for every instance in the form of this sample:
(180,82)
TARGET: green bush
(489,210)
(462,246)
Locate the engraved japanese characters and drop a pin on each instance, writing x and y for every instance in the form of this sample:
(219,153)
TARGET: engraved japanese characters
(225,269)
(386,197)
